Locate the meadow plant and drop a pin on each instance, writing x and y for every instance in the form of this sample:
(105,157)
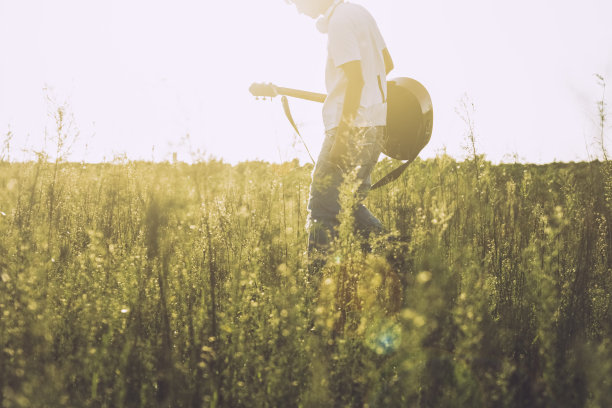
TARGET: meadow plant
(130,284)
(5,153)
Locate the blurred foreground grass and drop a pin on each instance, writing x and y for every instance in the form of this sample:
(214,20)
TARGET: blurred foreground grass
(138,284)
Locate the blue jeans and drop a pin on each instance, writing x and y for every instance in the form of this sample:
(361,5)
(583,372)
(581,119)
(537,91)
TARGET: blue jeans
(365,145)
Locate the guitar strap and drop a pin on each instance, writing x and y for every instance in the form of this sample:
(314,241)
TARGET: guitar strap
(285,103)
(391,176)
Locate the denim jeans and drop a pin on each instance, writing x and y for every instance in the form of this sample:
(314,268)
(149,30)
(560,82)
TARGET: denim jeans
(365,145)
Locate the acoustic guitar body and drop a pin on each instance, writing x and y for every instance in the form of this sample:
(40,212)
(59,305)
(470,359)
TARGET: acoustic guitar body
(409,118)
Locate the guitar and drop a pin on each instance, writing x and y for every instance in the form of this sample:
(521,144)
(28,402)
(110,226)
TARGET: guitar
(409,114)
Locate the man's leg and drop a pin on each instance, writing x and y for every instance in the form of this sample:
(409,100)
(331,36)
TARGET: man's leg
(366,223)
(370,146)
(323,206)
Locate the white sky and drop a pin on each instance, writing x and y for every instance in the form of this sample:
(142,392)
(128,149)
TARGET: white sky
(142,73)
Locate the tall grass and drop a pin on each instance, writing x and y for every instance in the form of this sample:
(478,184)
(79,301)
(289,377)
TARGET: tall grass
(138,284)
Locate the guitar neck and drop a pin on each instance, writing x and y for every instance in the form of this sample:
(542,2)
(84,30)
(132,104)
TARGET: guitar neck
(296,93)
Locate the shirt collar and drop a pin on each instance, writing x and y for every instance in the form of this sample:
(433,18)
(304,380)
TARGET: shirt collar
(331,9)
(323,22)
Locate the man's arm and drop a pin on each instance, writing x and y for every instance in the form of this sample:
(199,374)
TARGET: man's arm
(388,61)
(352,100)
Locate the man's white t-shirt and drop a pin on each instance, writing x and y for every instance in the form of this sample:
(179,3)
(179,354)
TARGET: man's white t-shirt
(354,36)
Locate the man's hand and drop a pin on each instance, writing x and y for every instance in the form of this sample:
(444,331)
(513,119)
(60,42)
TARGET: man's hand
(352,100)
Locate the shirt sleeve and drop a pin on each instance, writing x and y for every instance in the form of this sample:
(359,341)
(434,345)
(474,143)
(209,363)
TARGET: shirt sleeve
(380,41)
(343,44)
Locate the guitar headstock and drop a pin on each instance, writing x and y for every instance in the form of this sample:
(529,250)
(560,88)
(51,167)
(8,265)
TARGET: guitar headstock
(264,90)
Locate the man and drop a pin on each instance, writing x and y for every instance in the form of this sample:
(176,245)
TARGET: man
(354,114)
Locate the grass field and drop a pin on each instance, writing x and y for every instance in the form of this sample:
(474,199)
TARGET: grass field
(134,284)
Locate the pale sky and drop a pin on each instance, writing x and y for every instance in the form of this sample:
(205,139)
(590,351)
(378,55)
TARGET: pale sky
(142,73)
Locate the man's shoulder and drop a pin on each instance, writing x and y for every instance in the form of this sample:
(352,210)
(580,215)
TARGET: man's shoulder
(349,12)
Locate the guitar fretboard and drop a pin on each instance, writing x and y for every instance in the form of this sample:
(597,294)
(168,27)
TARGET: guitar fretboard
(296,93)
